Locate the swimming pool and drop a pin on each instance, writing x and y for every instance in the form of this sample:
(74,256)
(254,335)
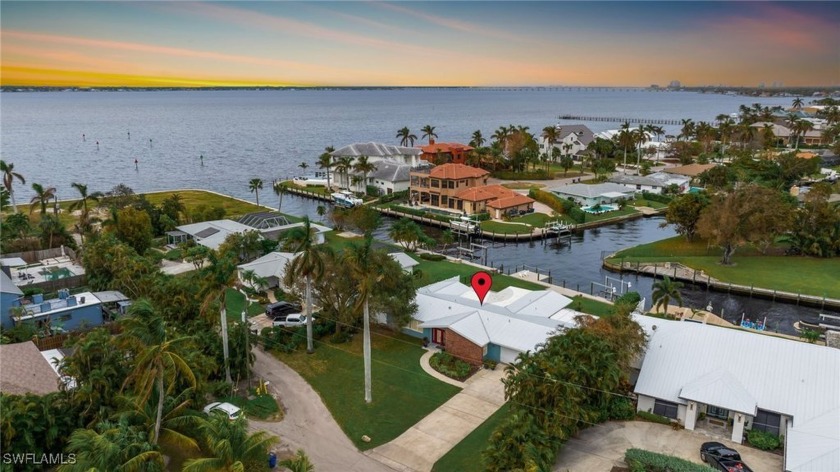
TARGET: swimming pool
(598,209)
(55,274)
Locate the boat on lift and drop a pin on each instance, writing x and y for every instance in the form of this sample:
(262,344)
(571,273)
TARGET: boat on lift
(346,199)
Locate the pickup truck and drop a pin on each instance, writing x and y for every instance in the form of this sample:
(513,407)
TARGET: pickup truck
(720,457)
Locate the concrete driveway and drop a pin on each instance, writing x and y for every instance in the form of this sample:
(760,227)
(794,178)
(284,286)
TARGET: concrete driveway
(308,425)
(602,447)
(427,441)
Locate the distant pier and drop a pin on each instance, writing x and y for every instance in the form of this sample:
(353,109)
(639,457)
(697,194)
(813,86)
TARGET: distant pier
(642,121)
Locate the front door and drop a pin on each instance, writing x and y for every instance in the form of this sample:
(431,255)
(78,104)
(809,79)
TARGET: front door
(715,412)
(438,336)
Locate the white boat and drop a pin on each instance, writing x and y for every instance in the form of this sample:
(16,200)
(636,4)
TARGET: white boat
(345,198)
(310,181)
(465,224)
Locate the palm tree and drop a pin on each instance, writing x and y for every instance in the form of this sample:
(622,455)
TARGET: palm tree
(303,165)
(325,161)
(157,362)
(550,135)
(9,176)
(687,130)
(230,447)
(321,210)
(664,291)
(364,166)
(112,446)
(84,220)
(429,131)
(308,264)
(406,137)
(255,185)
(343,167)
(625,138)
(177,425)
(641,136)
(477,139)
(797,103)
(360,258)
(299,463)
(800,128)
(279,190)
(42,197)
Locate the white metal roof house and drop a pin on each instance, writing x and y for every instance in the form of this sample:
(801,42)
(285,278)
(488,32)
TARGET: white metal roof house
(588,195)
(741,380)
(379,151)
(271,267)
(208,233)
(653,183)
(571,140)
(388,177)
(511,321)
(405,261)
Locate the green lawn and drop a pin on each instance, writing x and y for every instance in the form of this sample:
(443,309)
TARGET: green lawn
(521,185)
(235,303)
(320,189)
(593,307)
(628,210)
(435,271)
(648,203)
(466,455)
(504,228)
(193,198)
(402,392)
(796,274)
(263,407)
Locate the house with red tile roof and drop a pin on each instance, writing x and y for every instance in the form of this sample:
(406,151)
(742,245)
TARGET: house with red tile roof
(445,153)
(464,189)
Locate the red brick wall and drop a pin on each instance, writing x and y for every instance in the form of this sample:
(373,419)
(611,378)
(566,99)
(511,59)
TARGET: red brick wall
(463,348)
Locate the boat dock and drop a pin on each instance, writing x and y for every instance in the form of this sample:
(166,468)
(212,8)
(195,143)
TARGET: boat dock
(677,271)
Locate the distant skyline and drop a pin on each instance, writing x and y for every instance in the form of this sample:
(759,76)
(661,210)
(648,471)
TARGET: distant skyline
(193,44)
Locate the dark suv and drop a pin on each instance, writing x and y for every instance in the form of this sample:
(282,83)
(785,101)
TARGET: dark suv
(720,457)
(280,310)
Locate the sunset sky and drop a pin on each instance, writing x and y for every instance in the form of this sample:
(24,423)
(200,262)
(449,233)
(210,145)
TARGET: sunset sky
(418,43)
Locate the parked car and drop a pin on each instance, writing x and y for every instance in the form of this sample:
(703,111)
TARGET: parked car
(720,457)
(293,320)
(281,309)
(232,411)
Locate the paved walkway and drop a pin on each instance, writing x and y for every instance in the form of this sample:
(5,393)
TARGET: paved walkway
(427,441)
(602,447)
(307,425)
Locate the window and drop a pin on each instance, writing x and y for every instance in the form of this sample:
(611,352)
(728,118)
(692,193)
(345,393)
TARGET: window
(444,200)
(767,421)
(715,412)
(666,409)
(435,183)
(451,184)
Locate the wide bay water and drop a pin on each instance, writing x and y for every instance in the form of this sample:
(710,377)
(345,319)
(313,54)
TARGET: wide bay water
(246,134)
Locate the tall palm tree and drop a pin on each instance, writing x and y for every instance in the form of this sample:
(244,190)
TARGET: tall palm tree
(625,138)
(664,291)
(801,128)
(308,264)
(157,360)
(429,132)
(303,165)
(230,447)
(406,137)
(725,126)
(550,135)
(9,176)
(364,166)
(641,136)
(477,139)
(255,185)
(360,258)
(42,197)
(345,164)
(279,190)
(797,103)
(687,130)
(178,425)
(112,446)
(325,161)
(84,220)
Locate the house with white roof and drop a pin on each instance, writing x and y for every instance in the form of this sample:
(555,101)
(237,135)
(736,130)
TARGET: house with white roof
(377,152)
(595,194)
(705,375)
(510,321)
(213,233)
(271,267)
(571,140)
(388,177)
(653,183)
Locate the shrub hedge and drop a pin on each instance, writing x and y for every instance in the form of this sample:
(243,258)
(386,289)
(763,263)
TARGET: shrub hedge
(763,440)
(640,460)
(401,195)
(432,257)
(657,197)
(654,418)
(449,366)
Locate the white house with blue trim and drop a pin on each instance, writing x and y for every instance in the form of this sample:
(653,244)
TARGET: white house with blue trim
(510,321)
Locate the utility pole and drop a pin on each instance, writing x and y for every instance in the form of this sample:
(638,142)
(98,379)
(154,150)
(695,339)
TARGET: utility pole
(225,344)
(247,344)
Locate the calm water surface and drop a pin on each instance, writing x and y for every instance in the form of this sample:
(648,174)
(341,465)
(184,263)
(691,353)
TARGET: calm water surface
(266,134)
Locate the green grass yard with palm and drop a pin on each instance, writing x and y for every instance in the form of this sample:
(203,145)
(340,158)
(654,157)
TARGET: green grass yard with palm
(796,274)
(403,393)
(466,455)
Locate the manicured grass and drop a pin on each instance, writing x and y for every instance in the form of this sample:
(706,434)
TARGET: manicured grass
(193,198)
(261,406)
(593,307)
(320,189)
(521,185)
(466,455)
(504,228)
(435,271)
(533,219)
(402,392)
(648,203)
(235,303)
(796,274)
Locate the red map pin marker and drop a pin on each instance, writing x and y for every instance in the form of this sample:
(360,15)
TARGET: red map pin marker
(481,282)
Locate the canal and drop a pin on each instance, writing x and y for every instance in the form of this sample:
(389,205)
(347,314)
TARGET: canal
(576,263)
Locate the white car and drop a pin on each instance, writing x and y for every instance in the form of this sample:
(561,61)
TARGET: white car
(233,412)
(293,320)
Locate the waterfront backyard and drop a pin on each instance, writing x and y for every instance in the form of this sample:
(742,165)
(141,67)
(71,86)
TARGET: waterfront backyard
(794,274)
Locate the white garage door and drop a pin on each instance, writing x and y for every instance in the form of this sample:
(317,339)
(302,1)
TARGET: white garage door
(508,356)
